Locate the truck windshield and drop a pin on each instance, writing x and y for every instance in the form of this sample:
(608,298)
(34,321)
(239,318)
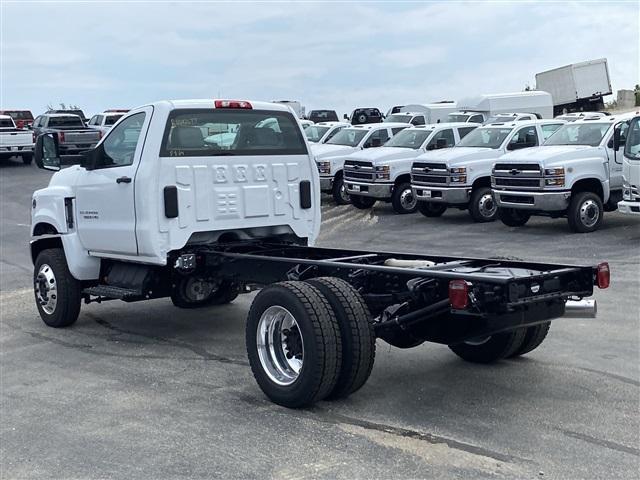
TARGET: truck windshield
(579,134)
(68,121)
(204,133)
(19,114)
(348,137)
(111,119)
(485,137)
(398,117)
(409,138)
(314,133)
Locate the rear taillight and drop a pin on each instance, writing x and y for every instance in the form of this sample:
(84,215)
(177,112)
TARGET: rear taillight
(458,294)
(232,104)
(61,137)
(33,137)
(603,277)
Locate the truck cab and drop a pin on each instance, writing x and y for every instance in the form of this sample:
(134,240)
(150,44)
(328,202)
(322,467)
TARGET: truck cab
(414,118)
(464,116)
(630,203)
(322,132)
(576,173)
(460,177)
(384,173)
(330,155)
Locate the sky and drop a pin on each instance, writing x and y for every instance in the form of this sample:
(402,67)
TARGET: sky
(336,55)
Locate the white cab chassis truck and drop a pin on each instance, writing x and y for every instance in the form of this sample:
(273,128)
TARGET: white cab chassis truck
(384,173)
(630,203)
(576,173)
(330,155)
(460,177)
(156,211)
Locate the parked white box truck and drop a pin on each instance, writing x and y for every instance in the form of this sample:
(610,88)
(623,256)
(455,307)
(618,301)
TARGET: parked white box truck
(578,86)
(433,112)
(480,109)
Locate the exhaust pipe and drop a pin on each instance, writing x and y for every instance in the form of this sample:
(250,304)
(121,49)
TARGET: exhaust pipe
(581,309)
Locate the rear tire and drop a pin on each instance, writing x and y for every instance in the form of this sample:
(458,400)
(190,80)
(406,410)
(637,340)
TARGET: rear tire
(189,293)
(431,209)
(512,217)
(403,199)
(533,338)
(494,348)
(27,158)
(585,212)
(356,331)
(362,203)
(339,191)
(482,206)
(298,365)
(57,293)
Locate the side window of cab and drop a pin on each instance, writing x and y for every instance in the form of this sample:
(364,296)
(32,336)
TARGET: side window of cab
(524,138)
(120,144)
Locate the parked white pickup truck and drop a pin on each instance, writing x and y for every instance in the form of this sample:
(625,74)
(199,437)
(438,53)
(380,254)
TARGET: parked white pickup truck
(630,203)
(576,174)
(14,141)
(384,173)
(460,177)
(104,121)
(322,132)
(155,211)
(330,155)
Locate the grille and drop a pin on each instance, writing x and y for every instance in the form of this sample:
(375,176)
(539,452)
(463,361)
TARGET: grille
(359,163)
(523,167)
(432,166)
(517,182)
(429,179)
(358,175)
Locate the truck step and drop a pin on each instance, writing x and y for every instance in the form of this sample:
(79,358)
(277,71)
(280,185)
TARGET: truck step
(113,292)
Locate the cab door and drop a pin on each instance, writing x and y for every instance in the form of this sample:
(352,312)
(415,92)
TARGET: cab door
(105,210)
(616,158)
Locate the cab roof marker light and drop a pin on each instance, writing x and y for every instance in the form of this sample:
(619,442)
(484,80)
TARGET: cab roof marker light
(232,104)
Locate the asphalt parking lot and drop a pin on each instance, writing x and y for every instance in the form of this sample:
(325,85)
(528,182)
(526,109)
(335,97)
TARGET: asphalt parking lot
(150,391)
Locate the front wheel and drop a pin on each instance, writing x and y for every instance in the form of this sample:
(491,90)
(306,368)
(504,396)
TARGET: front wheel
(490,349)
(512,217)
(197,292)
(339,191)
(585,212)
(362,203)
(431,209)
(57,293)
(403,200)
(482,206)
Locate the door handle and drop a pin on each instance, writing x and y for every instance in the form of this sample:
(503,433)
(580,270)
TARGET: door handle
(123,180)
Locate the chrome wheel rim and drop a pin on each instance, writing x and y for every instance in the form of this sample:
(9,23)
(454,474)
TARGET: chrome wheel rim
(408,200)
(478,341)
(198,289)
(344,195)
(589,213)
(280,345)
(46,288)
(487,206)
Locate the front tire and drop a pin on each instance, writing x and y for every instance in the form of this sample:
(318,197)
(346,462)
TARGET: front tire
(512,217)
(403,199)
(362,203)
(432,209)
(585,212)
(356,331)
(196,292)
(339,191)
(57,293)
(482,206)
(293,344)
(490,349)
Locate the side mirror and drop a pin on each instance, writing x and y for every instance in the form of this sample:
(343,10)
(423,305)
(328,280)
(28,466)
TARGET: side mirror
(345,116)
(441,143)
(376,142)
(616,139)
(431,146)
(512,146)
(45,152)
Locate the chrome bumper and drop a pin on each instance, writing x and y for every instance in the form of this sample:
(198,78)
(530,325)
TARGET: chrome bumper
(630,208)
(526,200)
(451,196)
(326,183)
(375,190)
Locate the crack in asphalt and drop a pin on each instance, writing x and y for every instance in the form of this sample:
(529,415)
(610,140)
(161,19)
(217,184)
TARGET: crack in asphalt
(201,352)
(601,442)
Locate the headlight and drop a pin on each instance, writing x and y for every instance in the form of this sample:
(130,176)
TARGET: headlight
(554,172)
(324,167)
(554,182)
(458,174)
(459,170)
(459,179)
(383,172)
